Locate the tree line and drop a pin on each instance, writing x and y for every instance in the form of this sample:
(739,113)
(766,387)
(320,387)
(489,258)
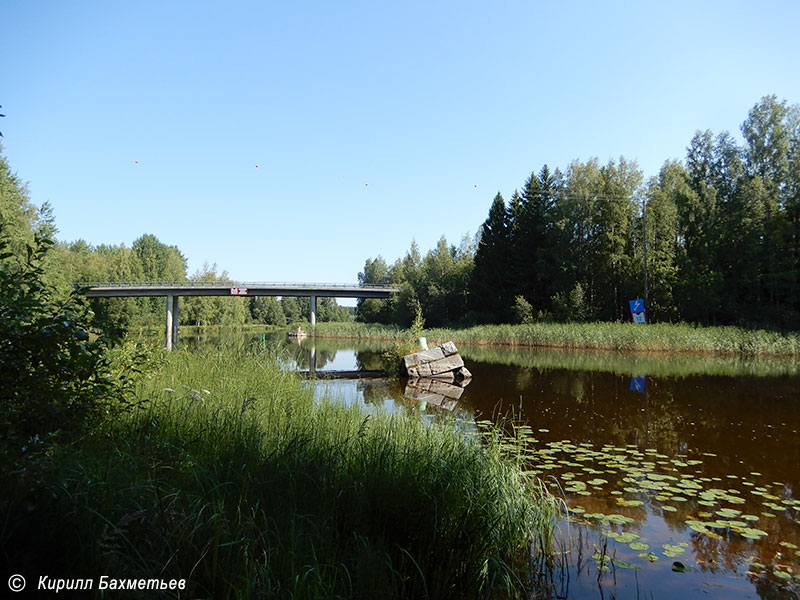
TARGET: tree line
(720,231)
(146,260)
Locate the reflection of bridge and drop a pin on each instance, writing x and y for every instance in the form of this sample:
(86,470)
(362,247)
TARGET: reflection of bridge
(173,291)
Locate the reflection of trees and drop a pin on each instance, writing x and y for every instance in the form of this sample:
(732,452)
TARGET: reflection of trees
(376,392)
(746,423)
(771,590)
(369,360)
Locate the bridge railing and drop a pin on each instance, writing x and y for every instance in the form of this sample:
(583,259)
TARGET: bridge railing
(195,284)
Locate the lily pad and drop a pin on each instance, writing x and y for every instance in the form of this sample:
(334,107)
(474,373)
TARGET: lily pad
(649,556)
(618,519)
(753,534)
(623,502)
(672,550)
(698,527)
(626,565)
(626,537)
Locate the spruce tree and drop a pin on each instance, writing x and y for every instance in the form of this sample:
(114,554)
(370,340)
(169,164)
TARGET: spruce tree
(490,287)
(533,239)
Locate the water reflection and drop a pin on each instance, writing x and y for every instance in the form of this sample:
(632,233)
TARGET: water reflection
(434,392)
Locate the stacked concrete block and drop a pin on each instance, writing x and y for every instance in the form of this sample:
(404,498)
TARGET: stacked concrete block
(442,363)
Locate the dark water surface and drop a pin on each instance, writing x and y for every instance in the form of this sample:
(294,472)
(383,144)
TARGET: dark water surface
(681,474)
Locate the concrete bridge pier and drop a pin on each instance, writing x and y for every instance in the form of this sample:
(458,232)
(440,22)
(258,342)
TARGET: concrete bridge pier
(168,332)
(312,317)
(175,320)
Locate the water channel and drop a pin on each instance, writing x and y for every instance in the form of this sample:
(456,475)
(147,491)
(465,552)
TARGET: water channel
(680,474)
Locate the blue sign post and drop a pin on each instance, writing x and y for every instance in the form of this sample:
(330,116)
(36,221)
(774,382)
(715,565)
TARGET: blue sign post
(637,310)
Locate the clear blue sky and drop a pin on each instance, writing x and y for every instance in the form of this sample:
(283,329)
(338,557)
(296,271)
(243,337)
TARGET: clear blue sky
(290,141)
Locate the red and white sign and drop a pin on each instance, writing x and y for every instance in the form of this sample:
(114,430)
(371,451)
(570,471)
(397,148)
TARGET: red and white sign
(238,291)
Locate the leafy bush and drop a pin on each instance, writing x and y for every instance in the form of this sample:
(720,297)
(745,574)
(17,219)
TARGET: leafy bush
(56,376)
(523,312)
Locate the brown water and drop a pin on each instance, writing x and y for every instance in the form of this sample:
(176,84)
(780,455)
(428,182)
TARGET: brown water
(681,474)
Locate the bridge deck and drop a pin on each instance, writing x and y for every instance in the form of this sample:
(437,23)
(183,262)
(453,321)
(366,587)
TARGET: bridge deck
(335,290)
(173,291)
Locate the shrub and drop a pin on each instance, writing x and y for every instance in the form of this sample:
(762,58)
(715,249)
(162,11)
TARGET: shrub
(56,376)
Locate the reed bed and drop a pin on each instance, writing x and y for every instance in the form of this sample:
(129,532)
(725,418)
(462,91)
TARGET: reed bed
(229,474)
(629,337)
(632,363)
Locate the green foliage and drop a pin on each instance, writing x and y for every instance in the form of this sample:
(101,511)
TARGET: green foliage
(267,310)
(212,310)
(439,282)
(534,238)
(523,311)
(490,286)
(57,378)
(17,215)
(418,324)
(722,237)
(159,262)
(291,310)
(408,344)
(571,307)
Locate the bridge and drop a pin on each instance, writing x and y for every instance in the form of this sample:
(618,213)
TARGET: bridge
(172,291)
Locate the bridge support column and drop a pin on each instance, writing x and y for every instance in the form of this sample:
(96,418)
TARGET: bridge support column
(313,316)
(170,300)
(175,320)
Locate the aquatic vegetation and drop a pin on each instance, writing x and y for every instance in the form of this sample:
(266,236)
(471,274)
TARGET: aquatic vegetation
(676,488)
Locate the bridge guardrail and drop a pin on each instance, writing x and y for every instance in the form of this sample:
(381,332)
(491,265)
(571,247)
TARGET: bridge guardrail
(92,284)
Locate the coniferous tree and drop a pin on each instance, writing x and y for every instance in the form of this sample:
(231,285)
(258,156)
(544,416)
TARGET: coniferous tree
(490,285)
(533,239)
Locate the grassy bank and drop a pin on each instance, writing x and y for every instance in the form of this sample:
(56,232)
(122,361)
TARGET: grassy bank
(629,337)
(229,475)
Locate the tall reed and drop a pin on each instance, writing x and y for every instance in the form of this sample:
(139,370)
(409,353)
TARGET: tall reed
(653,337)
(231,475)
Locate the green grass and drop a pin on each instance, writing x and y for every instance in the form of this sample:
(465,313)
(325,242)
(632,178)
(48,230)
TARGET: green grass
(241,483)
(629,337)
